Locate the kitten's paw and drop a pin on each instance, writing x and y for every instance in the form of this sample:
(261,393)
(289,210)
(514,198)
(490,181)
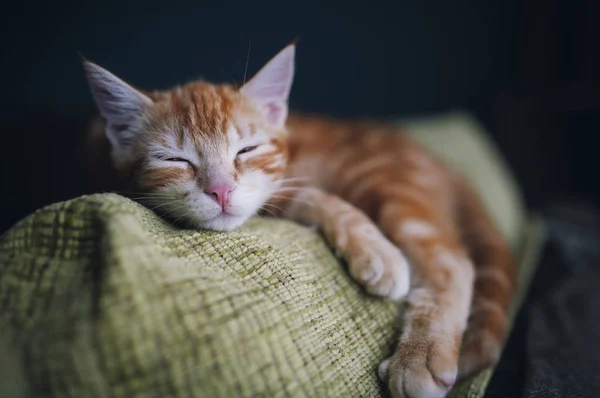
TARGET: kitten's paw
(382,269)
(419,371)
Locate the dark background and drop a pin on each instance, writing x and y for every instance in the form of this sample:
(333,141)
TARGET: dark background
(529,70)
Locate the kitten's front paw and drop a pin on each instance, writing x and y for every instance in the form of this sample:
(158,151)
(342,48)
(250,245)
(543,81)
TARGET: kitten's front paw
(418,371)
(382,269)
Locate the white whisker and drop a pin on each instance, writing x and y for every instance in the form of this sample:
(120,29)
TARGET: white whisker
(182,216)
(292,179)
(149,197)
(293,198)
(286,189)
(164,204)
(278,208)
(247,59)
(174,209)
(270,212)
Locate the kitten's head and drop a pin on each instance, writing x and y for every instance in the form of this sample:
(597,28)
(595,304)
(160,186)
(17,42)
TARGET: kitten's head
(209,155)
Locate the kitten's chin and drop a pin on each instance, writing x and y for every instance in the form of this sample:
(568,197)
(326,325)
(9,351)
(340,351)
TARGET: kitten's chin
(223,222)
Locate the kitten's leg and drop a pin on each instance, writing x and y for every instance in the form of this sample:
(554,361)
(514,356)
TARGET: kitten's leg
(495,280)
(372,259)
(425,361)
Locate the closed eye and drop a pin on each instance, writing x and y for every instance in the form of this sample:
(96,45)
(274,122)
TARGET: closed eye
(247,149)
(177,160)
(186,162)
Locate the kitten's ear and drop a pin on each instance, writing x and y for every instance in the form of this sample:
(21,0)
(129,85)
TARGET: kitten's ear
(270,87)
(121,105)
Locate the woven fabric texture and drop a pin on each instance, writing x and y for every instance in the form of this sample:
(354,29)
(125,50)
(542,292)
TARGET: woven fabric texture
(110,301)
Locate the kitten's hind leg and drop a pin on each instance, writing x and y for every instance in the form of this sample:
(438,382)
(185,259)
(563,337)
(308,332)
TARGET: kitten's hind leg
(373,261)
(495,285)
(425,362)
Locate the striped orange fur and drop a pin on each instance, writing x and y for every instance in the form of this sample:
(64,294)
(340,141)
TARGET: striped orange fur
(211,156)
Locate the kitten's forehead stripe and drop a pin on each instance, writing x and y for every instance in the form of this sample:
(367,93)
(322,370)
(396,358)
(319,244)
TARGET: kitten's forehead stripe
(200,109)
(214,117)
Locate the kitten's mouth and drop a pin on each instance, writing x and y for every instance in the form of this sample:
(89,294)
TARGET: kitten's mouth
(224,215)
(224,221)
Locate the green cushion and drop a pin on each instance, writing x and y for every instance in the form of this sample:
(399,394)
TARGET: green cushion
(462,143)
(101,298)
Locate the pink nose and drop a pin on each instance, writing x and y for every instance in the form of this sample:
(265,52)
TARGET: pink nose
(220,193)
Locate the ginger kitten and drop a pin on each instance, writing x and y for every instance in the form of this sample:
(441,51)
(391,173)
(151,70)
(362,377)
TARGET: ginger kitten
(211,156)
